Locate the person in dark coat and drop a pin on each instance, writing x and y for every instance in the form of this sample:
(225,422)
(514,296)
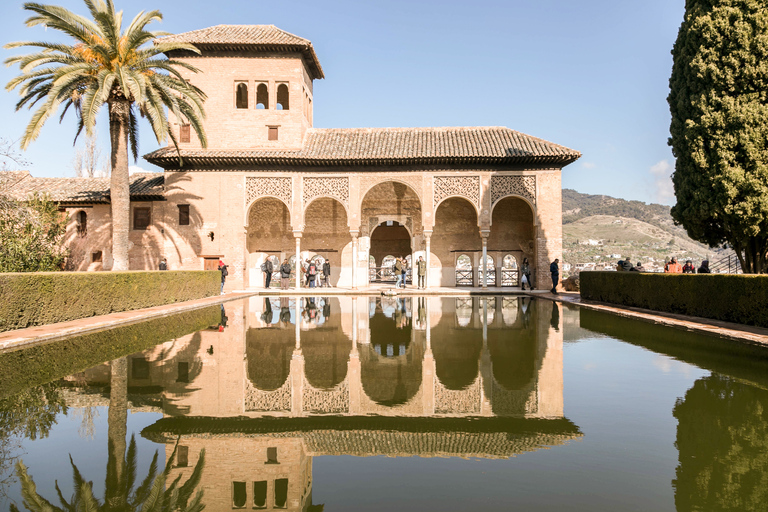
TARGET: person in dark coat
(688,268)
(285,274)
(554,269)
(638,268)
(327,274)
(525,275)
(704,268)
(224,274)
(163,264)
(421,270)
(267,267)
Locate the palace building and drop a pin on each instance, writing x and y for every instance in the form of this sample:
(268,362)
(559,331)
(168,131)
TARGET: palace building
(472,201)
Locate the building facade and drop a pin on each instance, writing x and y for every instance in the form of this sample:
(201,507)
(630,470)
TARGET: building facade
(471,201)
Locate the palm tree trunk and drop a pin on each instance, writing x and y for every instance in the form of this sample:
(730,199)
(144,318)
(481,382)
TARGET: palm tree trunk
(120,198)
(117,416)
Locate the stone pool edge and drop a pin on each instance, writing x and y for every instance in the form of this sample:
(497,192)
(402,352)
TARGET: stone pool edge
(756,336)
(31,336)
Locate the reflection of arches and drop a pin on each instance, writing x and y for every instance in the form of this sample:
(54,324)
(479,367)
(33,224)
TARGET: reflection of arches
(268,352)
(457,354)
(395,378)
(514,352)
(326,352)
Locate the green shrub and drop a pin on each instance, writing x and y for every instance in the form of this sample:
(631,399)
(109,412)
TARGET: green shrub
(28,299)
(24,368)
(734,298)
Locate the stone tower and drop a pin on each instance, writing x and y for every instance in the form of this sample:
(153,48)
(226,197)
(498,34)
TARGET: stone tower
(258,80)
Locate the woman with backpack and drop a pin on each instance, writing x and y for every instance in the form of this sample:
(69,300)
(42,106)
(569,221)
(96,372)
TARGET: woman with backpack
(311,273)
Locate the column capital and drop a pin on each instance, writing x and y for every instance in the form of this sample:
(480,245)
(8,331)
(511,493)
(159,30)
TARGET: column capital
(354,233)
(485,233)
(297,234)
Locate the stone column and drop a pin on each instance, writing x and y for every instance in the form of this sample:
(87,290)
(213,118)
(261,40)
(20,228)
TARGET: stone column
(297,235)
(354,258)
(428,250)
(484,266)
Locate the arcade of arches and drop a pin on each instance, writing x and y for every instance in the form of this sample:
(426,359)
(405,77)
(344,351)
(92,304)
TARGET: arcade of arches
(357,227)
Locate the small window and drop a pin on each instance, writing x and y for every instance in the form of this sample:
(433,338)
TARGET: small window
(241,100)
(262,97)
(183,373)
(182,456)
(141,217)
(260,494)
(183,215)
(184,133)
(82,223)
(272,133)
(96,257)
(239,495)
(272,456)
(281,492)
(139,368)
(282,97)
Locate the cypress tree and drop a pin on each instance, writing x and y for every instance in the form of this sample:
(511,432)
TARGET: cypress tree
(719,131)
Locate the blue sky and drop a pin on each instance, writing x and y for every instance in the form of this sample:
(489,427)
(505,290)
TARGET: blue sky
(590,74)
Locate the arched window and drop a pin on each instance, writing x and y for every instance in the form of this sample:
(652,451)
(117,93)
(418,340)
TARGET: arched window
(241,100)
(282,97)
(509,262)
(463,262)
(82,223)
(262,97)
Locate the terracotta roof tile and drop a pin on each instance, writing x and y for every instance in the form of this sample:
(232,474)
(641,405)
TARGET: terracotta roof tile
(243,37)
(147,185)
(372,146)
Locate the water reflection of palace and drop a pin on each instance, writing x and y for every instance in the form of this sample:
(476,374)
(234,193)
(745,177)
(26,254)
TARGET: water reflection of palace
(278,385)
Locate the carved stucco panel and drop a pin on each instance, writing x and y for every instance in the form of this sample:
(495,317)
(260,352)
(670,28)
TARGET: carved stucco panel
(334,401)
(502,186)
(278,186)
(465,401)
(277,400)
(336,187)
(462,186)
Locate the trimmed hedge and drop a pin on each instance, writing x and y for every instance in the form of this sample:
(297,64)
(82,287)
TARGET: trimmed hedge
(24,368)
(40,298)
(741,299)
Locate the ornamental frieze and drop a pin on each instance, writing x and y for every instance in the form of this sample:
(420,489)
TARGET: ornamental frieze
(279,187)
(467,187)
(335,187)
(523,186)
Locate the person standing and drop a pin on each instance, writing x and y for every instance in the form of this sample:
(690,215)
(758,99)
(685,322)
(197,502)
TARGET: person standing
(421,270)
(673,267)
(525,271)
(327,273)
(404,271)
(554,269)
(285,274)
(688,268)
(398,272)
(224,274)
(704,268)
(311,274)
(305,267)
(267,268)
(163,264)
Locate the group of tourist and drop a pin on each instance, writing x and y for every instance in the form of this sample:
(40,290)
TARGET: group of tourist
(671,267)
(315,274)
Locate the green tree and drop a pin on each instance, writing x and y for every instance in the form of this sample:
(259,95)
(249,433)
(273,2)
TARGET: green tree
(107,66)
(719,132)
(32,232)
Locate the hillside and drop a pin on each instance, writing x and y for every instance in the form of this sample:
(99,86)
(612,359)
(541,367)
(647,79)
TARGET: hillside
(643,231)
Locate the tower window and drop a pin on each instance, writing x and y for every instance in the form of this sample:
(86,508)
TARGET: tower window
(272,135)
(282,97)
(241,100)
(184,133)
(182,456)
(272,456)
(183,372)
(239,495)
(183,215)
(260,494)
(96,257)
(281,492)
(262,97)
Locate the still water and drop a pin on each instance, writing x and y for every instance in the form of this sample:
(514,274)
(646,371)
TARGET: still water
(369,403)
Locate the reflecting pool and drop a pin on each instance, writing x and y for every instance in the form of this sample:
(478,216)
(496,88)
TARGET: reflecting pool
(374,403)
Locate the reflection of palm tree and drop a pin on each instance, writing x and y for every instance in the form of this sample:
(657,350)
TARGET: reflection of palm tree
(151,495)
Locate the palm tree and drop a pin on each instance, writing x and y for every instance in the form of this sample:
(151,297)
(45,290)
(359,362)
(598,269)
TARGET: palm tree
(106,65)
(154,494)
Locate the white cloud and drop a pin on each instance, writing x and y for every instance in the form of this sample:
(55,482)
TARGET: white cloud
(662,177)
(588,165)
(135,168)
